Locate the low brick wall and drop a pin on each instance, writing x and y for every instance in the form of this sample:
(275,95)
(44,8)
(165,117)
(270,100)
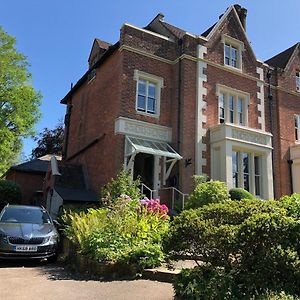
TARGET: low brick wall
(90,267)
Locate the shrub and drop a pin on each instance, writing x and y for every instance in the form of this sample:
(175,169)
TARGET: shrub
(126,232)
(206,193)
(10,192)
(292,205)
(239,194)
(121,185)
(255,242)
(204,282)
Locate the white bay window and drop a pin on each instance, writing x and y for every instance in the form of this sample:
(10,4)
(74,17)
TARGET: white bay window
(246,172)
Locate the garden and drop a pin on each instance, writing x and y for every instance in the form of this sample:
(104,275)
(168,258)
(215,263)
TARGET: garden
(245,248)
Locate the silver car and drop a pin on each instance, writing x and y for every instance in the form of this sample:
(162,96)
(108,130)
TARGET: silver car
(27,232)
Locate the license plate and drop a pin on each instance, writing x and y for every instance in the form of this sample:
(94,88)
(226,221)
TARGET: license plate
(25,248)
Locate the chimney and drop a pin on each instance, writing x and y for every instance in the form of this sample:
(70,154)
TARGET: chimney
(242,13)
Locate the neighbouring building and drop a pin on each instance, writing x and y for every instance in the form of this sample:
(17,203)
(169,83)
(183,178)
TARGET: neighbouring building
(30,177)
(166,104)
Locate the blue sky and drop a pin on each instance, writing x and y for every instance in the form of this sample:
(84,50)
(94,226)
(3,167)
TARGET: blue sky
(56,35)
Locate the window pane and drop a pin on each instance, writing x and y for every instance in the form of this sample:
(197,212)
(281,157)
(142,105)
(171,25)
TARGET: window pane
(227,50)
(231,109)
(142,88)
(256,165)
(151,90)
(246,163)
(233,53)
(235,169)
(246,182)
(257,186)
(221,108)
(141,103)
(151,105)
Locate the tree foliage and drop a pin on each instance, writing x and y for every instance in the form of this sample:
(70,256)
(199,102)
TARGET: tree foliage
(10,192)
(49,141)
(19,102)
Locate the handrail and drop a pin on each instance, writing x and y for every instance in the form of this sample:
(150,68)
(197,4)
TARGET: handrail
(150,190)
(183,195)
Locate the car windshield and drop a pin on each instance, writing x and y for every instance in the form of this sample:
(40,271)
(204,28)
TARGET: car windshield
(25,215)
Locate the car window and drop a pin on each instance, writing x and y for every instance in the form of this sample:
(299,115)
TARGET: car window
(25,215)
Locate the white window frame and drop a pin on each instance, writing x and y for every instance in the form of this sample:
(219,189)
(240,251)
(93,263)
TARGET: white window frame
(232,43)
(226,92)
(297,128)
(159,83)
(298,81)
(252,175)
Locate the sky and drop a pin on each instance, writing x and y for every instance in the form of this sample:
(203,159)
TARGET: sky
(57,35)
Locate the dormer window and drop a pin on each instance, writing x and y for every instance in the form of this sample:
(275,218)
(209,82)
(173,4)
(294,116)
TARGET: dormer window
(232,52)
(298,81)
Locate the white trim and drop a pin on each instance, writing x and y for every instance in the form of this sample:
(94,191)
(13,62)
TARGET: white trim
(148,31)
(159,84)
(238,45)
(261,98)
(143,129)
(201,104)
(212,32)
(226,138)
(244,96)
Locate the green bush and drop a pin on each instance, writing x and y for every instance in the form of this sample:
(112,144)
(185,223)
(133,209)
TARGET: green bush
(255,242)
(10,192)
(204,282)
(292,205)
(239,194)
(206,193)
(126,232)
(121,185)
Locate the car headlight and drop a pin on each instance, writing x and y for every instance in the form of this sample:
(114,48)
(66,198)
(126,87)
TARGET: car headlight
(3,239)
(52,238)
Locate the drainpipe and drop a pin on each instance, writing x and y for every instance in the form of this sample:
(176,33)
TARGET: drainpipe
(270,98)
(67,126)
(180,44)
(290,162)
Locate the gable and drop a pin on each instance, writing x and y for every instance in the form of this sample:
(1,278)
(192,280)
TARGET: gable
(230,25)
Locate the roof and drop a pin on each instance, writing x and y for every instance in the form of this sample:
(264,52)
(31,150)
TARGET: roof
(78,84)
(281,60)
(76,195)
(39,165)
(179,33)
(103,44)
(72,176)
(206,32)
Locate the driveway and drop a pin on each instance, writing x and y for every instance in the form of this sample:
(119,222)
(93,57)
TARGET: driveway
(52,281)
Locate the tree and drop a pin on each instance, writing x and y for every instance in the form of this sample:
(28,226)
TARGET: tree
(19,102)
(49,141)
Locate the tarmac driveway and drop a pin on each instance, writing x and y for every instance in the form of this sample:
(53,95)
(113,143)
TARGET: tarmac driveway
(51,281)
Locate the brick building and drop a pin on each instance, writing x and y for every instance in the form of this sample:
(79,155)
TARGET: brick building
(166,104)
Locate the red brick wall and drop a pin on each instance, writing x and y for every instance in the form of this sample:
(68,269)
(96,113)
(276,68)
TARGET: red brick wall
(28,182)
(95,107)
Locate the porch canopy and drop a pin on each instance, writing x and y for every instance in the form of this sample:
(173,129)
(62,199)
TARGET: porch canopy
(151,147)
(134,145)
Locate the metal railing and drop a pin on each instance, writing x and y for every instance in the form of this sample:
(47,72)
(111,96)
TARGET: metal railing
(179,193)
(174,192)
(145,187)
